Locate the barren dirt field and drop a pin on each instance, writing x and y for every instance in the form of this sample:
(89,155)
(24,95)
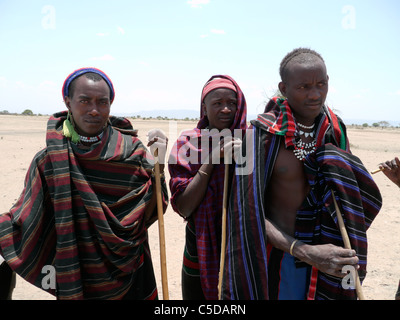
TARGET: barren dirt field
(21,137)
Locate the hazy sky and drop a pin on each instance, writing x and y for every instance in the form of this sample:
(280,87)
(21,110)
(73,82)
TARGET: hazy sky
(160,53)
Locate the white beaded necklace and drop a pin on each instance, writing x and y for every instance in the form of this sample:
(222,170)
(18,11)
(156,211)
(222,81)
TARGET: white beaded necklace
(303,149)
(305,127)
(91,139)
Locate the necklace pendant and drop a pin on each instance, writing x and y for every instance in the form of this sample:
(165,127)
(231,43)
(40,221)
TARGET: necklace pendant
(306,134)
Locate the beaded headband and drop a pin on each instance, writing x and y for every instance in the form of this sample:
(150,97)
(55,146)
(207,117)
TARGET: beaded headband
(79,72)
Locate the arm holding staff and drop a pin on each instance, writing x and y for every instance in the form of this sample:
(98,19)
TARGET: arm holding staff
(197,174)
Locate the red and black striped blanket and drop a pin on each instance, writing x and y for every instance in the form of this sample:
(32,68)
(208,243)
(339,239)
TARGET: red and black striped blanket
(82,213)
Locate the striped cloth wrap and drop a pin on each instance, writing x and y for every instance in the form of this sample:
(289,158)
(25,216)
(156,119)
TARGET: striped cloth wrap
(82,212)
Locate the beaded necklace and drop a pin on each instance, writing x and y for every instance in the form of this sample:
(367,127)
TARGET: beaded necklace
(306,127)
(303,149)
(91,139)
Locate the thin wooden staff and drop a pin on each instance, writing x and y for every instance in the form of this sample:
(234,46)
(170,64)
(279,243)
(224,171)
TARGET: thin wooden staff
(347,245)
(223,235)
(161,229)
(378,170)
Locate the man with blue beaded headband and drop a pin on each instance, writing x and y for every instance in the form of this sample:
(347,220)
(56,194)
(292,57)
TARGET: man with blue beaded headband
(284,242)
(88,99)
(88,200)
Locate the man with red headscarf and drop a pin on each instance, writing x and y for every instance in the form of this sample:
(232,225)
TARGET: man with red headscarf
(197,182)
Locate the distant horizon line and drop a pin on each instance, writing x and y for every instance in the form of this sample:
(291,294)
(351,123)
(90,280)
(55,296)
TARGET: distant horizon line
(185,114)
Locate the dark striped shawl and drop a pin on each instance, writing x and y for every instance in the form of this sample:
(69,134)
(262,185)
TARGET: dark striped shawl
(245,272)
(82,212)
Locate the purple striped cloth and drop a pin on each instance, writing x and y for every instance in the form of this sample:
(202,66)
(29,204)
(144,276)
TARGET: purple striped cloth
(207,218)
(331,167)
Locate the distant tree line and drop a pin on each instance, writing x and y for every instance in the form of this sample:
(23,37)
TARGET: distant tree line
(26,112)
(383,124)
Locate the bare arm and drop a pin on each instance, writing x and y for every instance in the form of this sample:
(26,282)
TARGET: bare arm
(326,257)
(189,200)
(193,195)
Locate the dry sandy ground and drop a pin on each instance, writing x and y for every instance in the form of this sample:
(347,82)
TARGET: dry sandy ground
(22,136)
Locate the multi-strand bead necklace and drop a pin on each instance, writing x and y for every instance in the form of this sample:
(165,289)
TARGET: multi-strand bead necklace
(303,149)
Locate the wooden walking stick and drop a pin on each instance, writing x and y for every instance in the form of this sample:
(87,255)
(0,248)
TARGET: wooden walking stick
(161,229)
(347,245)
(223,236)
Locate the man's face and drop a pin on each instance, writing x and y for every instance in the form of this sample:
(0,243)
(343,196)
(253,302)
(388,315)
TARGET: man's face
(305,88)
(220,106)
(89,106)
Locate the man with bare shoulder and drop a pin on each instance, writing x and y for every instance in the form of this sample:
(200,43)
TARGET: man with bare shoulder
(284,242)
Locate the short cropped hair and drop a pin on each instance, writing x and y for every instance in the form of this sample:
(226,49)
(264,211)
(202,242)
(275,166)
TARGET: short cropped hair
(90,75)
(300,55)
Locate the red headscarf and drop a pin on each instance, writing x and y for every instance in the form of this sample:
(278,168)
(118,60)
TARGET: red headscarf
(223,81)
